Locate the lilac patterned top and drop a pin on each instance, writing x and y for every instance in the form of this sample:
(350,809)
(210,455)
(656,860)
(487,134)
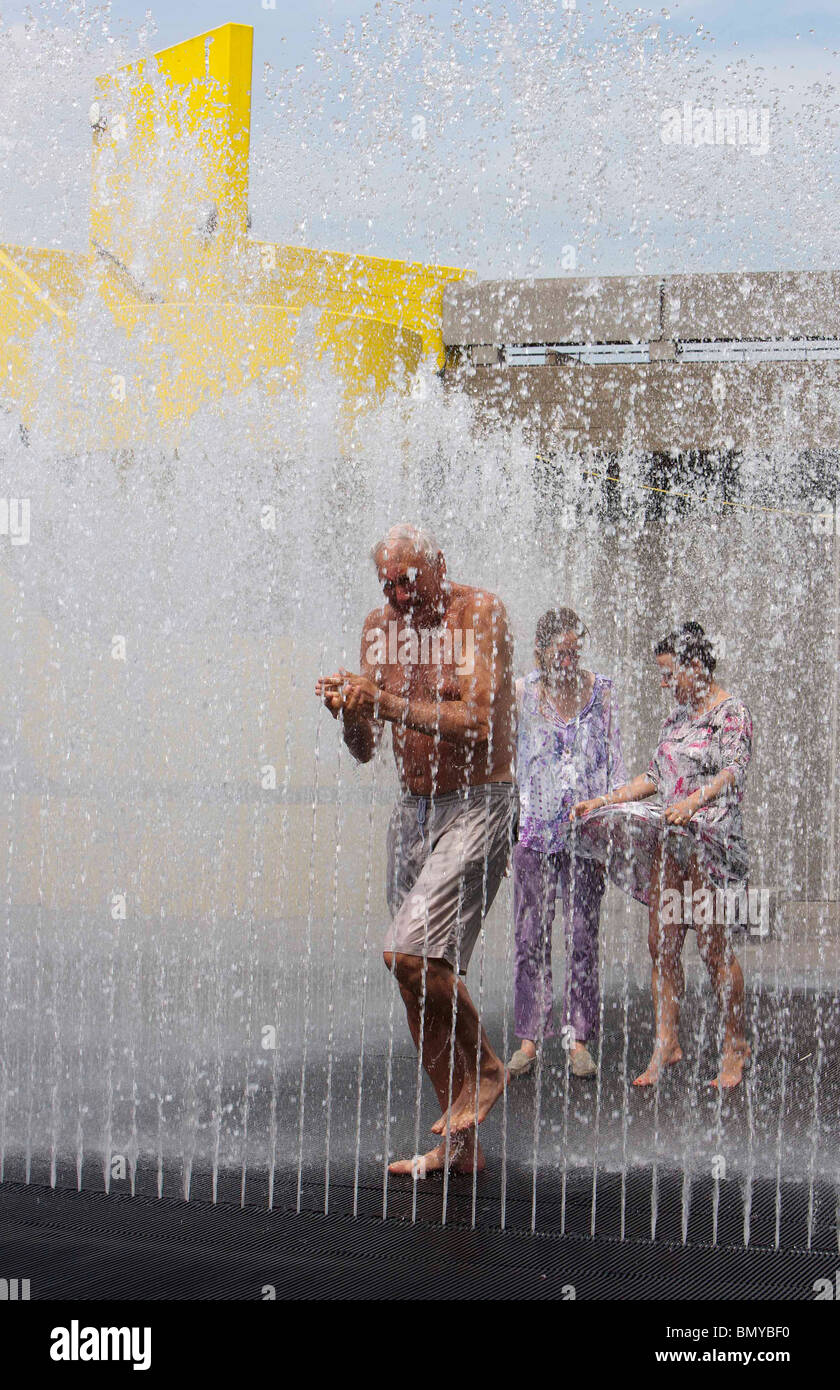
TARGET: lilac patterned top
(560,763)
(692,750)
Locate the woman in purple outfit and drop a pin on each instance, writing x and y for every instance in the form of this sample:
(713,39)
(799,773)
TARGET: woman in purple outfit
(675,835)
(569,746)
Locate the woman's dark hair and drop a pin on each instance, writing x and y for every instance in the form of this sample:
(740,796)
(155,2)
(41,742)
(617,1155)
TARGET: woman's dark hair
(555,623)
(687,645)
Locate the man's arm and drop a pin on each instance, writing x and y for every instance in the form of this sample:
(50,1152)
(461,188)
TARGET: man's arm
(362,731)
(469,719)
(361,734)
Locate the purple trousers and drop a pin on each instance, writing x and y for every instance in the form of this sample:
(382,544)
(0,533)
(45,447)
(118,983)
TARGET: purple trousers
(536,879)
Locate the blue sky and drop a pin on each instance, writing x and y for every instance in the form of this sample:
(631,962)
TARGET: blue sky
(754,25)
(542,127)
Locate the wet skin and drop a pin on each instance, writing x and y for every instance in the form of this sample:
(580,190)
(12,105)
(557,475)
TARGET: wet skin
(452,726)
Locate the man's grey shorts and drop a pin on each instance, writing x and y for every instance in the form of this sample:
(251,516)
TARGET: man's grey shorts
(446,859)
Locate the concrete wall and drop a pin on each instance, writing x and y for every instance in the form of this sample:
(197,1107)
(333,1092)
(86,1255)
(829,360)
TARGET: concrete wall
(666,404)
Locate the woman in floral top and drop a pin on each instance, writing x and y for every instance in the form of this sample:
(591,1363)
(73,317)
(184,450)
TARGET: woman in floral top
(689,833)
(569,746)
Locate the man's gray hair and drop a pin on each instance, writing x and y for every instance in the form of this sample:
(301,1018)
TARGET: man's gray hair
(415,535)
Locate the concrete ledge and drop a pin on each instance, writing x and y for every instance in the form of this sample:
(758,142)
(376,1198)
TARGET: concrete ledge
(612,309)
(773,304)
(762,305)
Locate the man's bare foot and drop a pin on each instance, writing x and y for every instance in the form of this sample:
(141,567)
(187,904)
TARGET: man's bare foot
(664,1055)
(465,1112)
(465,1156)
(732,1066)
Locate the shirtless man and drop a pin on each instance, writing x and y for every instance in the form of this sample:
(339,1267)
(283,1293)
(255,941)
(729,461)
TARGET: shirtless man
(436,666)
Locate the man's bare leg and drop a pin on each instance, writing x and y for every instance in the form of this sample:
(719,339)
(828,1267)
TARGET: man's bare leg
(483,1083)
(464,1151)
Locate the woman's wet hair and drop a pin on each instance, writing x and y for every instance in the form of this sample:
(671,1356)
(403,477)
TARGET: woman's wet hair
(556,623)
(688,645)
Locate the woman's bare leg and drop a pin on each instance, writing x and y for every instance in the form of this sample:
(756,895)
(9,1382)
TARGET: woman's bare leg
(665,942)
(715,948)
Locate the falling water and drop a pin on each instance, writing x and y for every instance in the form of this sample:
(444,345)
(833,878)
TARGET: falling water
(133,1049)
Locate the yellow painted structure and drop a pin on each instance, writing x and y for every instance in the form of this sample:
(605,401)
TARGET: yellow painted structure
(172,308)
(189,306)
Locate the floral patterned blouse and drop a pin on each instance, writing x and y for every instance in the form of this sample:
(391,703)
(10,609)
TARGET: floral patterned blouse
(695,748)
(560,762)
(692,750)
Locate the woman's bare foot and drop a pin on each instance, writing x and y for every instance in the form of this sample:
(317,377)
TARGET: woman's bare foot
(465,1156)
(732,1065)
(665,1054)
(465,1112)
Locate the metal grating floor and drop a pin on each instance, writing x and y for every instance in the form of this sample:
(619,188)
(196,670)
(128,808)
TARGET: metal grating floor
(92,1246)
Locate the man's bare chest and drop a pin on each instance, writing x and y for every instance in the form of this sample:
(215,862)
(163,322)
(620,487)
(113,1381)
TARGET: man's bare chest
(423,662)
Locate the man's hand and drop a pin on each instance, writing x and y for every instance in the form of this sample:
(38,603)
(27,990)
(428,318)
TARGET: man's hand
(682,811)
(353,694)
(361,695)
(328,689)
(582,808)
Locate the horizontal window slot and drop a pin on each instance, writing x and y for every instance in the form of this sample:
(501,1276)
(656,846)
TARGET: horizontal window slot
(686,350)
